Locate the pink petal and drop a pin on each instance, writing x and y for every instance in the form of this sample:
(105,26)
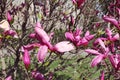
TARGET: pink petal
(9,18)
(87,33)
(77,32)
(102,76)
(74,1)
(42,52)
(26,59)
(42,34)
(97,60)
(116,37)
(69,36)
(90,37)
(109,33)
(64,46)
(32,35)
(92,51)
(84,41)
(8,78)
(111,20)
(112,60)
(31,46)
(101,43)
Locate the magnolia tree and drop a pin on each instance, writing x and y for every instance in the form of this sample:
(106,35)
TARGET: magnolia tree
(59,40)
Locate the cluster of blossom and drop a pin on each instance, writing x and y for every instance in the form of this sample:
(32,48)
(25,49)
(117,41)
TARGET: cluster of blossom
(104,47)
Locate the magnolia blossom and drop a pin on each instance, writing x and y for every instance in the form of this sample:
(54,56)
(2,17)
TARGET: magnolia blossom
(44,43)
(85,40)
(112,20)
(111,39)
(42,36)
(74,36)
(9,18)
(77,39)
(100,54)
(26,58)
(115,61)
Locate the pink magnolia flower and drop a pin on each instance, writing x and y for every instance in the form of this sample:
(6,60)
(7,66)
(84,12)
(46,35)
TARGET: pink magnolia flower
(42,36)
(110,36)
(77,39)
(85,40)
(74,36)
(102,75)
(112,20)
(37,76)
(115,61)
(26,58)
(8,78)
(42,52)
(64,46)
(112,39)
(100,54)
(9,18)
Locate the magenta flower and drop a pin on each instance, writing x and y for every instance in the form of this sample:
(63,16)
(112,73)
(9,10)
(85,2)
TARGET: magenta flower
(74,37)
(26,58)
(112,20)
(77,39)
(100,54)
(64,46)
(9,18)
(42,52)
(85,40)
(42,36)
(110,36)
(8,78)
(37,76)
(115,61)
(112,39)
